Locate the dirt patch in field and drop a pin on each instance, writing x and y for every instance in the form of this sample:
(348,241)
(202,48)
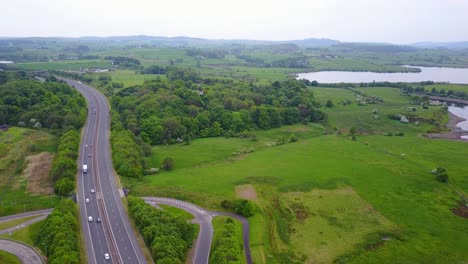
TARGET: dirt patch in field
(36,173)
(246,191)
(461,211)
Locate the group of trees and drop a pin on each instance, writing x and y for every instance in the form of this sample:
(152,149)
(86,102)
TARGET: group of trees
(240,206)
(227,249)
(207,53)
(168,238)
(124,62)
(59,234)
(29,103)
(63,171)
(127,153)
(168,111)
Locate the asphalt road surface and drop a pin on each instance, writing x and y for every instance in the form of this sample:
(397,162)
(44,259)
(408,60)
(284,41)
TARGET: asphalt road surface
(203,218)
(23,215)
(14,228)
(114,235)
(25,253)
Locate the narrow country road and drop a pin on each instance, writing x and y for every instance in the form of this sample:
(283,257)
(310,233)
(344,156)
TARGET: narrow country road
(23,215)
(14,228)
(25,253)
(98,193)
(203,218)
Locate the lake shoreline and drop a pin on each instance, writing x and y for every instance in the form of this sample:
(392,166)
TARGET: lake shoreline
(455,131)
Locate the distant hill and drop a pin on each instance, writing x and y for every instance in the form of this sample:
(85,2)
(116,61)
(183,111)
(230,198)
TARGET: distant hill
(374,47)
(447,45)
(162,41)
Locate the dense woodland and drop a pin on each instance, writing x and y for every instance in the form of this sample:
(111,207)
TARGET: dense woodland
(167,238)
(167,111)
(59,233)
(30,103)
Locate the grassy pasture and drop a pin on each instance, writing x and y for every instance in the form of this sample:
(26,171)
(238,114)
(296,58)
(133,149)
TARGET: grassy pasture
(63,65)
(15,145)
(402,189)
(343,117)
(8,258)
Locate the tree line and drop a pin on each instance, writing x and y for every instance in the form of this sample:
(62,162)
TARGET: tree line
(168,238)
(126,156)
(58,235)
(63,171)
(227,249)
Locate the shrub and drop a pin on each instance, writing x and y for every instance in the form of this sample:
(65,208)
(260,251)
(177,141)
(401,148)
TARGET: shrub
(168,164)
(245,208)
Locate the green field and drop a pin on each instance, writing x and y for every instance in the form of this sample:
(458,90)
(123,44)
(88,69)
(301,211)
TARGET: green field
(391,183)
(15,222)
(328,198)
(27,235)
(206,150)
(63,65)
(8,258)
(15,145)
(343,117)
(128,77)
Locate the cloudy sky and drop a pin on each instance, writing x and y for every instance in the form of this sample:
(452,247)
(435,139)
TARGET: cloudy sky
(397,21)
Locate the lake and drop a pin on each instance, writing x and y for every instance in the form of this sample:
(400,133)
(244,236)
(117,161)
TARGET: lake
(436,74)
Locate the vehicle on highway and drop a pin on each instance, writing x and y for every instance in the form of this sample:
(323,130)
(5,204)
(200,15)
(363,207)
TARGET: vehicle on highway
(92,191)
(85,168)
(98,220)
(86,146)
(90,218)
(106,256)
(89,155)
(87,200)
(79,82)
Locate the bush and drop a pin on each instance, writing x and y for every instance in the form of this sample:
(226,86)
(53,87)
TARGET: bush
(292,138)
(168,164)
(245,208)
(441,174)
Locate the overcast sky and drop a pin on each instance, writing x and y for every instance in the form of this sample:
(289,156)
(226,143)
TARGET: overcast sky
(397,21)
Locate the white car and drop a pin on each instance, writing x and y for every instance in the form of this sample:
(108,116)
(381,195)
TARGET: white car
(92,191)
(89,155)
(90,218)
(106,256)
(87,200)
(79,82)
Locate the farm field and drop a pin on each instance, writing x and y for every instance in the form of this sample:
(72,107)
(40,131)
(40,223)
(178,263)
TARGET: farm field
(74,65)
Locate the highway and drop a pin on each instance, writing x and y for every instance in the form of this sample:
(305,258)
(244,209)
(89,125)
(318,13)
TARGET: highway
(114,235)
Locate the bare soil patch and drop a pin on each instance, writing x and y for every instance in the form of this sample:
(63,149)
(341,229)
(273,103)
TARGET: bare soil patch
(36,173)
(246,191)
(461,211)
